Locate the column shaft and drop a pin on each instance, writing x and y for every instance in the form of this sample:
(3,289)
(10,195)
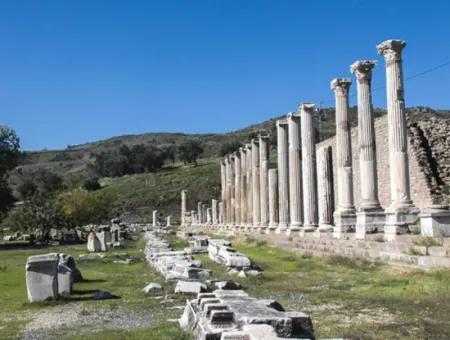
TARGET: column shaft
(256,187)
(249,185)
(214,212)
(264,179)
(325,187)
(295,172)
(273,199)
(237,188)
(243,188)
(283,175)
(183,207)
(308,167)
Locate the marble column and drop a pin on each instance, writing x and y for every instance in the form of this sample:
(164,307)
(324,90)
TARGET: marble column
(226,202)
(243,187)
(183,207)
(325,190)
(221,213)
(401,211)
(255,184)
(264,180)
(214,218)
(237,188)
(273,200)
(199,212)
(232,192)
(249,186)
(308,139)
(295,174)
(204,213)
(370,216)
(155,217)
(223,181)
(283,175)
(193,217)
(208,216)
(168,221)
(345,214)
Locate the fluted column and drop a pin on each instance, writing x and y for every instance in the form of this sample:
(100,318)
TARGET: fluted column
(221,214)
(227,192)
(183,207)
(255,181)
(344,216)
(273,200)
(237,188)
(264,179)
(370,216)
(283,175)
(208,216)
(249,182)
(214,212)
(401,211)
(232,192)
(199,213)
(325,189)
(308,140)
(295,174)
(243,187)
(223,182)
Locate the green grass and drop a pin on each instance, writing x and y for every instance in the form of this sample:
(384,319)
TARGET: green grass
(125,281)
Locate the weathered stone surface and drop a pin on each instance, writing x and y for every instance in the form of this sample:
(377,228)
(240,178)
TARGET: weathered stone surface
(65,280)
(42,277)
(227,285)
(213,315)
(190,287)
(93,243)
(435,221)
(221,252)
(152,287)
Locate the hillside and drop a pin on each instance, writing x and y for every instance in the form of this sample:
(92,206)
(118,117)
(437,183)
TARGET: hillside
(137,195)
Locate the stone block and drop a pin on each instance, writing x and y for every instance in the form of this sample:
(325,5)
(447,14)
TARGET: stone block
(42,277)
(65,280)
(437,251)
(435,222)
(190,287)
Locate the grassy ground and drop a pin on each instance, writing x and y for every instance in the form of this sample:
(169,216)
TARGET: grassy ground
(345,297)
(124,281)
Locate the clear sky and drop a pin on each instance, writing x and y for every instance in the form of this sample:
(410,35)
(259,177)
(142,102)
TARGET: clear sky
(78,71)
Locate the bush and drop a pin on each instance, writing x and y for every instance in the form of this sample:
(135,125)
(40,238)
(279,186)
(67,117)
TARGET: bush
(229,147)
(190,151)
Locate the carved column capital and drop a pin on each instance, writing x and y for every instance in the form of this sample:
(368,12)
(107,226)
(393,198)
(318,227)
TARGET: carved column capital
(362,69)
(340,86)
(307,107)
(391,50)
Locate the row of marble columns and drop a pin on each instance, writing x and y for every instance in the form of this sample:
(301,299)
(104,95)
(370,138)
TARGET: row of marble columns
(298,196)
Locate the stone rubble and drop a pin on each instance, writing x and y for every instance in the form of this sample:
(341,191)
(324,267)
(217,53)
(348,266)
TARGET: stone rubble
(230,314)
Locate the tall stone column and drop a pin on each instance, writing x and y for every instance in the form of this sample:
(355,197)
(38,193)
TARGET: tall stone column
(273,200)
(237,188)
(221,213)
(223,182)
(232,192)
(370,216)
(155,219)
(308,139)
(243,187)
(183,207)
(255,185)
(345,214)
(214,217)
(264,180)
(249,182)
(199,213)
(283,175)
(204,213)
(295,174)
(401,211)
(208,216)
(226,201)
(325,190)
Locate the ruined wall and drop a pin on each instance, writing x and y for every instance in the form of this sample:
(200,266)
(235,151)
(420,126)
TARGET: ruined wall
(429,158)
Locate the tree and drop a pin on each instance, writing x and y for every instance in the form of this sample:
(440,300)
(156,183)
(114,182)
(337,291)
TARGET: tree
(81,207)
(229,147)
(190,151)
(37,216)
(9,150)
(42,180)
(170,152)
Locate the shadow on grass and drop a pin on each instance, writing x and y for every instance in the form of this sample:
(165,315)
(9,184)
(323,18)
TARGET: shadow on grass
(93,281)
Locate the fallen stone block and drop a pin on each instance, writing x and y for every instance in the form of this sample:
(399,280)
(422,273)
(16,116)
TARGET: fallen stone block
(65,280)
(227,285)
(42,277)
(190,287)
(152,287)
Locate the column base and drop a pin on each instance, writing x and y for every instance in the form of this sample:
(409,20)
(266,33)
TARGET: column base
(292,230)
(324,230)
(262,229)
(398,218)
(307,228)
(281,229)
(368,222)
(271,229)
(345,221)
(435,221)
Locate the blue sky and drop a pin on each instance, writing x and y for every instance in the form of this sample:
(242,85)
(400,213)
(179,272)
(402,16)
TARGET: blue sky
(78,71)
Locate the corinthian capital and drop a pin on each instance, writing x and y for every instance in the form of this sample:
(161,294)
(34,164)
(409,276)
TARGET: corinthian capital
(362,69)
(391,50)
(307,108)
(340,86)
